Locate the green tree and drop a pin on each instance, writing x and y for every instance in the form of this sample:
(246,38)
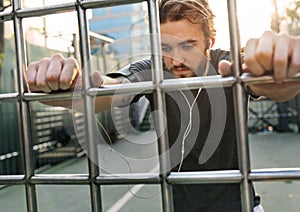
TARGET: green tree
(290,18)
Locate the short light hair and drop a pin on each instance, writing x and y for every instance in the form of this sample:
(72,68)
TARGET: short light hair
(196,11)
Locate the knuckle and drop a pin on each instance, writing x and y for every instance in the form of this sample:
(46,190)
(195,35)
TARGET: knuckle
(251,41)
(44,62)
(57,56)
(268,33)
(283,39)
(32,66)
(72,62)
(283,36)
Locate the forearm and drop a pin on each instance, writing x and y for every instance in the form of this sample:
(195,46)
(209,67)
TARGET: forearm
(59,103)
(101,103)
(277,92)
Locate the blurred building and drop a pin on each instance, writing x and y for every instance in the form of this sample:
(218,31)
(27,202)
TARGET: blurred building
(121,23)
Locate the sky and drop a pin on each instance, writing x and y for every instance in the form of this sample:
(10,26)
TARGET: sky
(254,17)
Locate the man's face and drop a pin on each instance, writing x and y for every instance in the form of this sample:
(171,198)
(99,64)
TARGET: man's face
(183,47)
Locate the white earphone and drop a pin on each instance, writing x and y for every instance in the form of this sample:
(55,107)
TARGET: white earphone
(189,126)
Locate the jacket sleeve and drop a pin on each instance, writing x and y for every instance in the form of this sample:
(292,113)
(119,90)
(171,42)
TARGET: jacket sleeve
(135,72)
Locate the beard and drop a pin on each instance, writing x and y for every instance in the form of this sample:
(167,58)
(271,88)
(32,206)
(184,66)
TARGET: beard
(184,71)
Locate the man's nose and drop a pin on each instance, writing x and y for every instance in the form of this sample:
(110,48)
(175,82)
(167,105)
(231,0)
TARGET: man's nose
(177,61)
(177,58)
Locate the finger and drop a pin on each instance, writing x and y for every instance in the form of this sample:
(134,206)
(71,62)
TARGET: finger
(41,78)
(281,58)
(294,66)
(96,79)
(77,83)
(69,74)
(264,50)
(31,76)
(225,68)
(250,58)
(54,71)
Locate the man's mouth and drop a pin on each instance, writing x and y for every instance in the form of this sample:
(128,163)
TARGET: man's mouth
(180,69)
(182,72)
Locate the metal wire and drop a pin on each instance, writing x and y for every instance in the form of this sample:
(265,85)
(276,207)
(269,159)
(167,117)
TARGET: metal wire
(240,109)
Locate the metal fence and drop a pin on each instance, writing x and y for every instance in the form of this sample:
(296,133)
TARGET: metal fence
(266,115)
(94,178)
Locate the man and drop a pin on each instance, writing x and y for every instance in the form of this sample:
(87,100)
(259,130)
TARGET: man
(188,33)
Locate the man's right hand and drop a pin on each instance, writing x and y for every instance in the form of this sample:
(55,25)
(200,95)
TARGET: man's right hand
(53,74)
(62,74)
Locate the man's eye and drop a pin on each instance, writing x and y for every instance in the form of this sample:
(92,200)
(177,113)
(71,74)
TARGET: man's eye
(166,48)
(187,46)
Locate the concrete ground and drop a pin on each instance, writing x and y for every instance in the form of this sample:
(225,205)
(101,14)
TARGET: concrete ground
(277,150)
(266,150)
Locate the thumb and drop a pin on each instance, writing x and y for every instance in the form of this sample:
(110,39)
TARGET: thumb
(96,79)
(225,68)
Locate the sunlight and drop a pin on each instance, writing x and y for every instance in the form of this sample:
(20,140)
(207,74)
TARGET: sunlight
(254,18)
